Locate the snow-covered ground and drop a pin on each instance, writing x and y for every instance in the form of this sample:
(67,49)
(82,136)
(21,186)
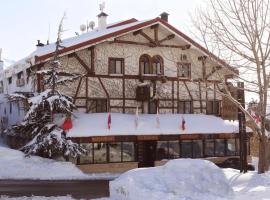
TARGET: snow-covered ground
(195,178)
(192,180)
(14,165)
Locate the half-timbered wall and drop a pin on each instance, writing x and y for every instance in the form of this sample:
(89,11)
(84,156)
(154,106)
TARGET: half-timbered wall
(120,90)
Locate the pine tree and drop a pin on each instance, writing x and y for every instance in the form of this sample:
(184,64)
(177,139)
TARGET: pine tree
(38,127)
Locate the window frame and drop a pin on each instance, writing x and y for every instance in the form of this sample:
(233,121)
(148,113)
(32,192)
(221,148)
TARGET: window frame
(185,102)
(94,101)
(212,102)
(181,64)
(9,80)
(151,61)
(112,69)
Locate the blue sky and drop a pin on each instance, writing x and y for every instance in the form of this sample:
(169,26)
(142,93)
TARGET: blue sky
(23,22)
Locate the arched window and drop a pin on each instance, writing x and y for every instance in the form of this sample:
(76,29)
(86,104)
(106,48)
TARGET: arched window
(157,65)
(145,64)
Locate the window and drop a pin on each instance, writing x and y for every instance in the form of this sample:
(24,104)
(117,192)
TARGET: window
(116,66)
(128,150)
(209,148)
(197,149)
(100,152)
(97,105)
(186,149)
(87,158)
(185,107)
(10,107)
(183,70)
(145,64)
(19,75)
(231,147)
(213,107)
(162,150)
(9,80)
(153,107)
(174,149)
(220,147)
(157,65)
(152,65)
(115,152)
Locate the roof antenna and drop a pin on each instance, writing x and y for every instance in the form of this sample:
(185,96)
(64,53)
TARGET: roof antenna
(102,6)
(49,33)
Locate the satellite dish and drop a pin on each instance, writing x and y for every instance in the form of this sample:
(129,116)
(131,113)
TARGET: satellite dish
(82,27)
(91,25)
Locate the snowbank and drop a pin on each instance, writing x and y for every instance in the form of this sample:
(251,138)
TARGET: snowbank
(251,186)
(177,180)
(37,198)
(95,124)
(14,165)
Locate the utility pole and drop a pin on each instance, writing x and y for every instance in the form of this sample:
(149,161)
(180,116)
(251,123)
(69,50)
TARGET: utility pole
(242,128)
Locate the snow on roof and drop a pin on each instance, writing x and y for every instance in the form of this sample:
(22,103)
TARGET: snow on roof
(40,51)
(95,124)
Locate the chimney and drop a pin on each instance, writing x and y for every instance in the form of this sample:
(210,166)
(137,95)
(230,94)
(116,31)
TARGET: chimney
(1,61)
(39,44)
(102,21)
(164,16)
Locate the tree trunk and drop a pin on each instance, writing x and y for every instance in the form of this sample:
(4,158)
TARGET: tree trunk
(263,155)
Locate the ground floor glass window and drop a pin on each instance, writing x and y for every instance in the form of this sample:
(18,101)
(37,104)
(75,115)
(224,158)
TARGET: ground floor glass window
(100,152)
(87,157)
(128,151)
(115,152)
(186,149)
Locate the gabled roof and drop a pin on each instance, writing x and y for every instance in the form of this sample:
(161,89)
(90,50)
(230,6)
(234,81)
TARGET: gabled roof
(116,30)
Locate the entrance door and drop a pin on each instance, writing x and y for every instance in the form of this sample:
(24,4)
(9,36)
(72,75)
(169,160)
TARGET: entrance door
(147,153)
(152,109)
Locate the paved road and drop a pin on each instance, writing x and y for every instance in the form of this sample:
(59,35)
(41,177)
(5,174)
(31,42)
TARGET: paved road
(87,189)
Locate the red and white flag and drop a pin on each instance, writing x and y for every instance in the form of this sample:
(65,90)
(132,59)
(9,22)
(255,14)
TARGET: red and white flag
(256,117)
(109,121)
(183,124)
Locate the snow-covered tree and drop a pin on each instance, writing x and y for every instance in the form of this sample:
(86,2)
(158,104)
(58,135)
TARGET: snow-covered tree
(38,127)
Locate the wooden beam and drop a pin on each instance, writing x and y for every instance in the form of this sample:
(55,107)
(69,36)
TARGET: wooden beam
(189,93)
(86,93)
(214,70)
(77,90)
(169,37)
(92,50)
(172,96)
(106,92)
(156,34)
(82,63)
(177,93)
(200,96)
(124,94)
(184,47)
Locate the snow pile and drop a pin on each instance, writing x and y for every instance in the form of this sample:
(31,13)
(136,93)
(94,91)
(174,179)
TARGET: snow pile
(179,179)
(14,165)
(96,124)
(251,186)
(37,198)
